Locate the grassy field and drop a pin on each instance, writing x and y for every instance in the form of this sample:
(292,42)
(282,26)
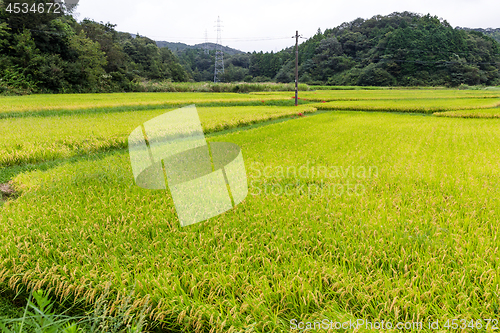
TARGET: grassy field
(350,215)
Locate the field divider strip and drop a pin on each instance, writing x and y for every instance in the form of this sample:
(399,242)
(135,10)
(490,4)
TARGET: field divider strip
(131,108)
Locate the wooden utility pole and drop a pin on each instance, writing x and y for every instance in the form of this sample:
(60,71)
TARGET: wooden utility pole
(296,67)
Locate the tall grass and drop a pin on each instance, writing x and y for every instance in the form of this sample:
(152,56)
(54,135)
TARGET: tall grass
(40,316)
(233,87)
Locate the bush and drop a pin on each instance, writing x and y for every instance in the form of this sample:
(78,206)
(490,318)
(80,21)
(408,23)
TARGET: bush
(373,75)
(261,79)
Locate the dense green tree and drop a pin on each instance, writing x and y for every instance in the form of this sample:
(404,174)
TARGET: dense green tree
(152,62)
(51,52)
(107,37)
(87,70)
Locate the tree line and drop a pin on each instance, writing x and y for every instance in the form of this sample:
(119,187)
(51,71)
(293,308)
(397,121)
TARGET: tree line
(53,53)
(400,49)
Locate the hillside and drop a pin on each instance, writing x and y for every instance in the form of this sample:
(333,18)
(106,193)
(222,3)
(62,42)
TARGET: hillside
(179,47)
(403,49)
(493,33)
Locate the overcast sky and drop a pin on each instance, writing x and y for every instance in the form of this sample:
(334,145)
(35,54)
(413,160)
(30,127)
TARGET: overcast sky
(266,25)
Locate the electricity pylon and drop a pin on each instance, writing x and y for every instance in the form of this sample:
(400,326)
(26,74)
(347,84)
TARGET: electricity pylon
(219,56)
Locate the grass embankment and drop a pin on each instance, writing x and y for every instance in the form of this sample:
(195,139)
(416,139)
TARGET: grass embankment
(236,87)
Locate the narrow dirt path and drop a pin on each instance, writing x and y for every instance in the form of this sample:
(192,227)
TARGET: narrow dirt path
(6,191)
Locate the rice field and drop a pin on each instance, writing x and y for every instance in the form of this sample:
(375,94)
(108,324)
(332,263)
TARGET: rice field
(37,103)
(393,94)
(39,139)
(350,215)
(412,105)
(477,113)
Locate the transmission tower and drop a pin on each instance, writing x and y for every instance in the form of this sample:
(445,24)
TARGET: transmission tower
(219,57)
(206,42)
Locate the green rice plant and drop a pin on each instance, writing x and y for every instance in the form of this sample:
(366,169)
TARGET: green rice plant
(386,94)
(418,242)
(478,113)
(218,118)
(410,105)
(38,139)
(36,103)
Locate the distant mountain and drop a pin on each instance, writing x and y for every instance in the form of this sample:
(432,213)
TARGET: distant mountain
(211,46)
(493,33)
(175,47)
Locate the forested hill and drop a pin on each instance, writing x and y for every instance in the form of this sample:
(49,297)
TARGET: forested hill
(494,33)
(404,49)
(179,47)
